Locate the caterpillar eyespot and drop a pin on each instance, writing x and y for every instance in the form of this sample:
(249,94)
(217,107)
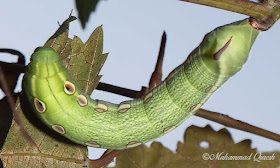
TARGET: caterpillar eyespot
(39,105)
(101,108)
(124,107)
(196,107)
(211,89)
(58,129)
(92,144)
(69,87)
(148,97)
(103,124)
(133,144)
(82,100)
(169,129)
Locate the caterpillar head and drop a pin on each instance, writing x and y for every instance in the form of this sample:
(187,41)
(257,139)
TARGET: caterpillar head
(44,55)
(41,59)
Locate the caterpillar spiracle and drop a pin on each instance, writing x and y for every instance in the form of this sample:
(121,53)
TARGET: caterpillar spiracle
(66,109)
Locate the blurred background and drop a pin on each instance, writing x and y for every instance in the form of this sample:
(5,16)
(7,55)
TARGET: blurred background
(132,34)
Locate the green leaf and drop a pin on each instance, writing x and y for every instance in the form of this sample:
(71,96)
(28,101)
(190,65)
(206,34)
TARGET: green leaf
(86,60)
(85,7)
(51,150)
(59,41)
(63,28)
(190,153)
(83,60)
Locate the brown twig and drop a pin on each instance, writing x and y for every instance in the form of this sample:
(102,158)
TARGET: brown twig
(13,67)
(237,124)
(11,101)
(265,13)
(105,159)
(119,90)
(157,74)
(12,72)
(21,58)
(256,10)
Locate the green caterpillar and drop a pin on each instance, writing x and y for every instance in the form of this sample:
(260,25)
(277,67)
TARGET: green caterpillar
(69,111)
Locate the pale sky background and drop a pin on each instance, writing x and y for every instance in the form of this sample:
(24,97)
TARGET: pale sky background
(132,33)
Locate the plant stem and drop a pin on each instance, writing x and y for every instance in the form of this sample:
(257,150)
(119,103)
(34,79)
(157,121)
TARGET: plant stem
(237,124)
(12,104)
(21,58)
(253,9)
(105,159)
(265,13)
